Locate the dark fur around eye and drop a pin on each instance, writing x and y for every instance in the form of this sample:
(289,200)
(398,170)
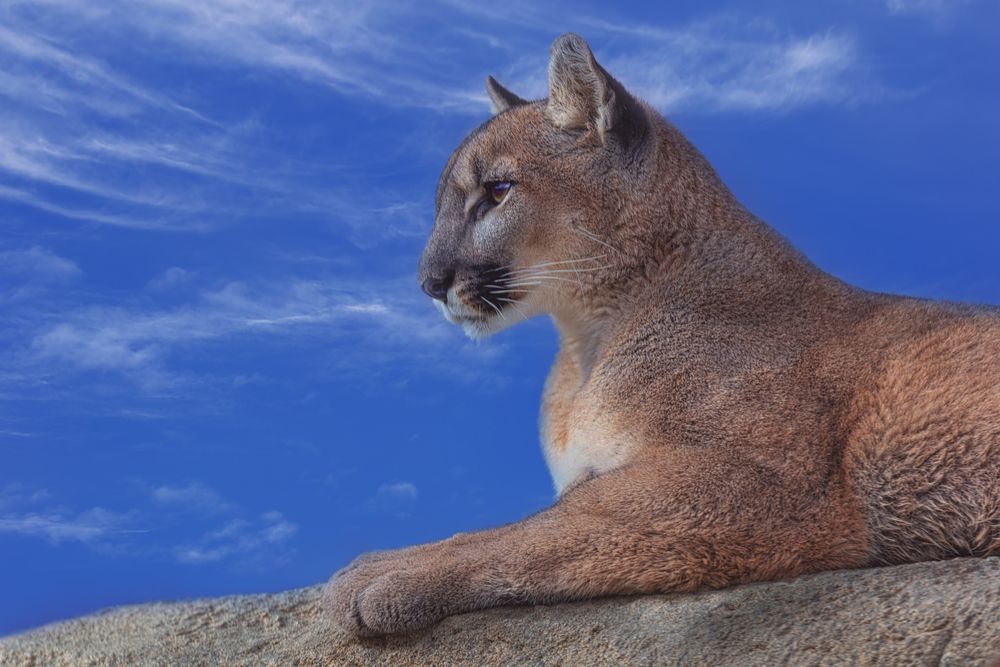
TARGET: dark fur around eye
(481,208)
(496,192)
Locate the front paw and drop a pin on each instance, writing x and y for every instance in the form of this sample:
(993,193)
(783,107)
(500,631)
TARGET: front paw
(381,596)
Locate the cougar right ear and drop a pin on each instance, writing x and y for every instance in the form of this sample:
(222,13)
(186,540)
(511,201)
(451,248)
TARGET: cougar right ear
(501,99)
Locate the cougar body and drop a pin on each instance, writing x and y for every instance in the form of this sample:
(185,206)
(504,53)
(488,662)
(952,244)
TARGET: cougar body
(720,410)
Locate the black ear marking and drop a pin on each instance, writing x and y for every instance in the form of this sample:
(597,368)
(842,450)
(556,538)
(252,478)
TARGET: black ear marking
(501,99)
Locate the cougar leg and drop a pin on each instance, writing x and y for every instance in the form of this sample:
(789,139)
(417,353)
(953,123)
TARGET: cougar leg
(664,525)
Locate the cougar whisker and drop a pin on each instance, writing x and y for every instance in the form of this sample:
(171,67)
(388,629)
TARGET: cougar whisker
(518,282)
(593,237)
(573,270)
(493,306)
(567,261)
(514,305)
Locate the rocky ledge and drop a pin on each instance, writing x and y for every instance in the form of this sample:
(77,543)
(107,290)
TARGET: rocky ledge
(945,613)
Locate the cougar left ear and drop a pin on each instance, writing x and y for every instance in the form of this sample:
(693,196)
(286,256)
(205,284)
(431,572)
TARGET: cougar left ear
(501,99)
(583,96)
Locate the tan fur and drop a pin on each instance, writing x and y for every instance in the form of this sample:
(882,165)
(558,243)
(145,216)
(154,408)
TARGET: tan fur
(720,411)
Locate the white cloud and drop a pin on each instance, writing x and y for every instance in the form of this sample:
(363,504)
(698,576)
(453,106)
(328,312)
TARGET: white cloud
(6,433)
(91,526)
(196,179)
(432,56)
(355,48)
(138,342)
(193,496)
(19,495)
(37,263)
(29,512)
(394,498)
(163,166)
(405,491)
(262,540)
(171,278)
(38,161)
(266,537)
(731,63)
(932,7)
(90,215)
(70,70)
(27,275)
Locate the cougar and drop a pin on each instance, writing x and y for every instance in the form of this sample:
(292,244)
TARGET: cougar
(720,411)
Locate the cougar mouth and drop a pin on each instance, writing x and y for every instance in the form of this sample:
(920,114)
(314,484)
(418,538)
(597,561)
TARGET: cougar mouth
(483,295)
(482,298)
(498,289)
(482,303)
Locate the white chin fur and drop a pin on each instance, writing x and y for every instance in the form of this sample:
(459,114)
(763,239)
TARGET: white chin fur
(479,329)
(474,326)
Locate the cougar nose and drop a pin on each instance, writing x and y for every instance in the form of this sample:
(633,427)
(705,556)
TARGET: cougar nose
(436,287)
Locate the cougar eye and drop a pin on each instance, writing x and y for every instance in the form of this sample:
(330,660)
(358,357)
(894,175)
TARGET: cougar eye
(498,190)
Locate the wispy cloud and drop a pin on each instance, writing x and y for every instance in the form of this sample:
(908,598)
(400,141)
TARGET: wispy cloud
(31,512)
(357,49)
(193,496)
(37,263)
(239,537)
(7,433)
(84,142)
(171,278)
(27,274)
(41,203)
(138,343)
(16,495)
(394,498)
(261,540)
(39,161)
(265,536)
(148,347)
(62,83)
(92,526)
(727,63)
(67,76)
(87,135)
(935,8)
(396,491)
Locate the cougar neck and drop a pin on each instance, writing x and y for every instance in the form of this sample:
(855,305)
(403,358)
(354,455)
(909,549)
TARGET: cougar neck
(682,241)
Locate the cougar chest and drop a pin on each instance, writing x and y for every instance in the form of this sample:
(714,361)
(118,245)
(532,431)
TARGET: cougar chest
(580,434)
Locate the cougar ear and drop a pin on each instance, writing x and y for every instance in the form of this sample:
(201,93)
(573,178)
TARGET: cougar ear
(501,99)
(583,96)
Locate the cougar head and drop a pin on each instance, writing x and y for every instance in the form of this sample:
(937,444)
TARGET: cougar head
(523,204)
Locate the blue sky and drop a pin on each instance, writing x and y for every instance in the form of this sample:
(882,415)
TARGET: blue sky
(217,373)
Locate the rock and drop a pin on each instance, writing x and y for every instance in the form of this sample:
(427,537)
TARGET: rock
(945,613)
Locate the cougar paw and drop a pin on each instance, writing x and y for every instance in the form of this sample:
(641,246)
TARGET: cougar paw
(371,599)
